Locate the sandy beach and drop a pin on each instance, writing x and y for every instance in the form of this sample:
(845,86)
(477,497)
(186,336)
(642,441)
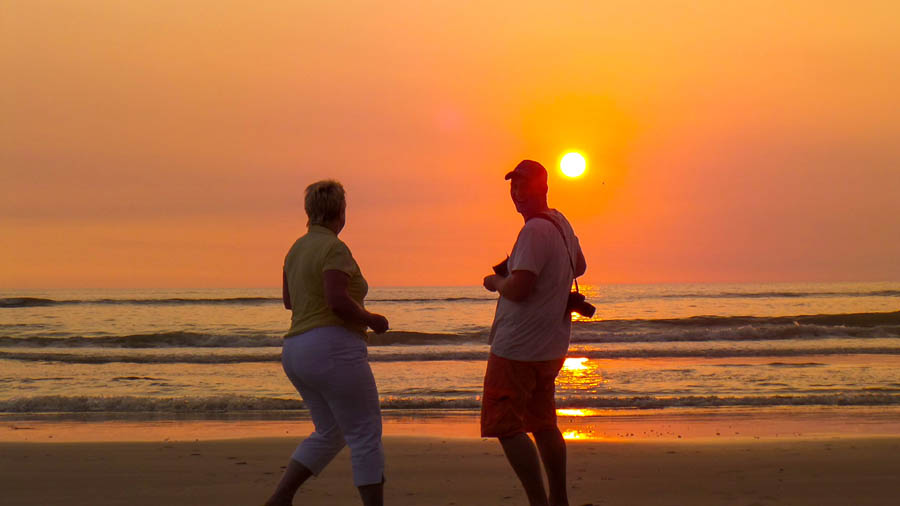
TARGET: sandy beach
(458,471)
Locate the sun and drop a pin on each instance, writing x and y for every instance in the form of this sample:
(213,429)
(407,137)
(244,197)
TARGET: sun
(572,164)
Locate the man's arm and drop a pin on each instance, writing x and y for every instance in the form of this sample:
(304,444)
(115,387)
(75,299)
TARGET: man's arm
(580,264)
(515,287)
(529,256)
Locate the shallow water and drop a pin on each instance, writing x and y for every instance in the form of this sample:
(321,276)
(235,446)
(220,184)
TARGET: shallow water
(650,347)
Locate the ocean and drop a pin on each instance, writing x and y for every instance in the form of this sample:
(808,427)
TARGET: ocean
(216,352)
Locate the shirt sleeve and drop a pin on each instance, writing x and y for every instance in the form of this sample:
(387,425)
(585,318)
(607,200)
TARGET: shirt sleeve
(577,249)
(531,251)
(339,259)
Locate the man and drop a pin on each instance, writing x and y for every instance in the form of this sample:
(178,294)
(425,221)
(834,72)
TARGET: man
(530,339)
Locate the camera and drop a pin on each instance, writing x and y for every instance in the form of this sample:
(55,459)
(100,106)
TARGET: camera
(577,304)
(502,269)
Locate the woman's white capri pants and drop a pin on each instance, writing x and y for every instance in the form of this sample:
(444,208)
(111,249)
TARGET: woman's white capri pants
(329,367)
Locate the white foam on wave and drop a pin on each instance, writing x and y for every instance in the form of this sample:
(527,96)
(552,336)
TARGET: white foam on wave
(435,355)
(239,404)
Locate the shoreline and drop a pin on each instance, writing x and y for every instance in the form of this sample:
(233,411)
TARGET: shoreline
(695,425)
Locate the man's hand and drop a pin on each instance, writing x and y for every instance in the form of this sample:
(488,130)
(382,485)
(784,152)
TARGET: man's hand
(378,323)
(517,287)
(491,282)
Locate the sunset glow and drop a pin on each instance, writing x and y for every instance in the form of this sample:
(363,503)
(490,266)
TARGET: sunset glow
(151,147)
(242,239)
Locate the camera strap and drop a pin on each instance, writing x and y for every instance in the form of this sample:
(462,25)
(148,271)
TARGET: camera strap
(544,216)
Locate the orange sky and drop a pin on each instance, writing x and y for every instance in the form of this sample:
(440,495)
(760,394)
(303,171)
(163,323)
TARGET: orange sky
(167,143)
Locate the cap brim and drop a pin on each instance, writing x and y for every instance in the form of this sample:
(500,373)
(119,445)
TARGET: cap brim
(509,175)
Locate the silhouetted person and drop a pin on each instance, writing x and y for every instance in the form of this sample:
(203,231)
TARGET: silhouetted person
(325,354)
(530,339)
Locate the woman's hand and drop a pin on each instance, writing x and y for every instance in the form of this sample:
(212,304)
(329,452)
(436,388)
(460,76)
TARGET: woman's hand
(378,323)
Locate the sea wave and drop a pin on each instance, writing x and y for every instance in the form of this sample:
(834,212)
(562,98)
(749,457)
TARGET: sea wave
(769,332)
(133,404)
(651,402)
(16,302)
(739,328)
(170,358)
(437,355)
(492,298)
(238,340)
(153,340)
(236,404)
(843,319)
(400,337)
(858,326)
(776,294)
(26,302)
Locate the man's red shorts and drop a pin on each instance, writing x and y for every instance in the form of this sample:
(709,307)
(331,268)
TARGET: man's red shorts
(518,396)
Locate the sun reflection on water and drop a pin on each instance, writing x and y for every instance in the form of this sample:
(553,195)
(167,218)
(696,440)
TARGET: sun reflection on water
(579,434)
(570,412)
(575,364)
(578,412)
(580,374)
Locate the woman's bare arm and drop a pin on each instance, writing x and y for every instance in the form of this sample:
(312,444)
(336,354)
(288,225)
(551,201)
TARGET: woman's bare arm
(285,293)
(337,298)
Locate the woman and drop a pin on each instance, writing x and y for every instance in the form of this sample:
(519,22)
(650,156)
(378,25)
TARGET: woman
(324,353)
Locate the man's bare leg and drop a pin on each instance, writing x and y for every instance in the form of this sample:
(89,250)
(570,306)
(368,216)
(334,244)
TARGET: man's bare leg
(294,476)
(372,495)
(523,457)
(552,447)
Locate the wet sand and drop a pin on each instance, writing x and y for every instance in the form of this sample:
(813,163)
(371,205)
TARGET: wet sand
(459,471)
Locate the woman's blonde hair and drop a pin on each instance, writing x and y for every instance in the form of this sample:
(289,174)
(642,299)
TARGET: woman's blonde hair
(325,201)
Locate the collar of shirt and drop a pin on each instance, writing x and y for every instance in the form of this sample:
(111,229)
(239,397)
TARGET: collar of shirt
(319,229)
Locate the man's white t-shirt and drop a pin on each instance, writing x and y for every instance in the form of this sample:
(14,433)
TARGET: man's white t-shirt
(538,327)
